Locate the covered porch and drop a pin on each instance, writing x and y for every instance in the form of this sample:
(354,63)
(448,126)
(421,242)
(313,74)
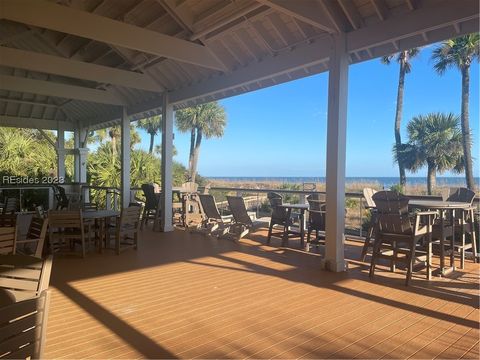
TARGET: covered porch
(184,295)
(148,57)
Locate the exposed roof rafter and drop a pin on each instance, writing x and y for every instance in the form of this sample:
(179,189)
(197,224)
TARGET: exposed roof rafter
(71,21)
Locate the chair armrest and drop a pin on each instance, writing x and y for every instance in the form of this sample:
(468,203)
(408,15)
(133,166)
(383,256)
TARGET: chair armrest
(422,213)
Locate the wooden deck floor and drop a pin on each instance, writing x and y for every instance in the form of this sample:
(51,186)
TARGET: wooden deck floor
(188,296)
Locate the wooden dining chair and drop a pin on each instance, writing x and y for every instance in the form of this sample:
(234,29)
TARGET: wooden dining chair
(316,219)
(11,206)
(152,208)
(67,229)
(396,237)
(8,240)
(24,276)
(23,328)
(35,240)
(279,216)
(463,224)
(126,229)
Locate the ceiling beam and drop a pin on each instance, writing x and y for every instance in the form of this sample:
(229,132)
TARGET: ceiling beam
(34,123)
(380,8)
(351,13)
(50,64)
(48,15)
(48,88)
(310,11)
(181,15)
(441,14)
(29,102)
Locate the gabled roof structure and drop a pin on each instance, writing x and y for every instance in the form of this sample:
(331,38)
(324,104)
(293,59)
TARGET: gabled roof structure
(80,61)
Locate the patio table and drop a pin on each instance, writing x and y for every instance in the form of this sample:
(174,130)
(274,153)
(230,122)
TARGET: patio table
(102,217)
(444,208)
(301,208)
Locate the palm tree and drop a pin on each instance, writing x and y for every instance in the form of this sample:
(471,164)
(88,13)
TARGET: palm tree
(460,53)
(207,120)
(403,58)
(114,133)
(435,140)
(152,125)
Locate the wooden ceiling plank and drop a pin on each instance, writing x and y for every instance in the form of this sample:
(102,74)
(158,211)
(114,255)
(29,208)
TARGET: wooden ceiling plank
(67,20)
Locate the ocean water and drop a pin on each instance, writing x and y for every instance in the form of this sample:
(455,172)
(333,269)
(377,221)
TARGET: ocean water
(386,182)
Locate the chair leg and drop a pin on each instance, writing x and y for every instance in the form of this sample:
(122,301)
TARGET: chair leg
(270,228)
(366,245)
(376,248)
(83,246)
(410,260)
(473,237)
(395,253)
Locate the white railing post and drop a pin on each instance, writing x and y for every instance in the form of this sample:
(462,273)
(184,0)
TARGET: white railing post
(336,149)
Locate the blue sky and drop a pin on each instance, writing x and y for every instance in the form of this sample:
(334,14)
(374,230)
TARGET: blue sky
(281,130)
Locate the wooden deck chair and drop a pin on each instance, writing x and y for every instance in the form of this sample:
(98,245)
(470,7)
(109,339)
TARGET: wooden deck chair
(371,207)
(316,218)
(23,328)
(126,228)
(33,244)
(396,238)
(242,222)
(66,230)
(23,276)
(212,223)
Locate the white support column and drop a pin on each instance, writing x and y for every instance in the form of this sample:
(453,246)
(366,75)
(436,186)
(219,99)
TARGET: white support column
(76,158)
(125,159)
(336,149)
(167,160)
(60,152)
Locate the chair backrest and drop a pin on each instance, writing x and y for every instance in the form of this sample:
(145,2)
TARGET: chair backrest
(36,236)
(89,207)
(8,240)
(65,219)
(40,212)
(62,199)
(130,218)
(275,200)
(11,205)
(8,220)
(460,195)
(209,206)
(190,187)
(316,212)
(151,199)
(23,328)
(392,213)
(24,276)
(239,210)
(368,194)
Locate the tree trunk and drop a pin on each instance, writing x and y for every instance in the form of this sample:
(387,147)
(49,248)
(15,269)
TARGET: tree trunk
(190,157)
(152,139)
(196,153)
(466,142)
(398,119)
(114,145)
(431,178)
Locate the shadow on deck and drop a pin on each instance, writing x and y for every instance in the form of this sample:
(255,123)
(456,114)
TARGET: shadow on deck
(185,295)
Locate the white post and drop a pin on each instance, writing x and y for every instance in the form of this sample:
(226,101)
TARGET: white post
(125,153)
(336,148)
(76,163)
(167,160)
(60,152)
